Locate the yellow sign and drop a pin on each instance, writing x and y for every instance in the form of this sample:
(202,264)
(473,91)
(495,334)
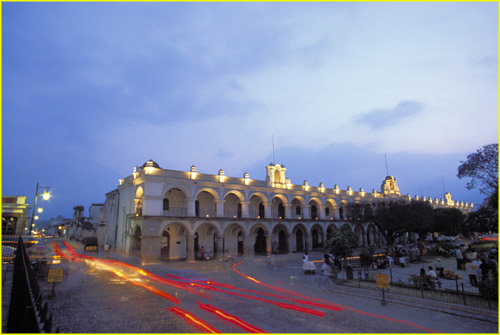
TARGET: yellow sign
(55,275)
(382,280)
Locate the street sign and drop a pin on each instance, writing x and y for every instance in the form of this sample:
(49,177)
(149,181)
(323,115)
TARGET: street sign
(55,275)
(382,281)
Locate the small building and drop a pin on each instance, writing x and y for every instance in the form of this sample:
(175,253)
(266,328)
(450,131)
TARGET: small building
(14,215)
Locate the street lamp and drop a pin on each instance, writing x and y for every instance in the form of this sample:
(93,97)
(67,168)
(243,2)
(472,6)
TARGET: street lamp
(45,196)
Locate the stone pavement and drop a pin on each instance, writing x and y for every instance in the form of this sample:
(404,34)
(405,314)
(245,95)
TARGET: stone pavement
(102,301)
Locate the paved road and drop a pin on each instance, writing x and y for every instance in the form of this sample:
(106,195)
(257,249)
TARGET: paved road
(94,300)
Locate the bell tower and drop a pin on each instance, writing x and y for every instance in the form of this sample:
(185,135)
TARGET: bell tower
(275,175)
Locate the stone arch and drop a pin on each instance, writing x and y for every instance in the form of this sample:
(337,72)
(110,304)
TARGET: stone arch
(297,203)
(238,194)
(260,242)
(342,210)
(234,236)
(173,240)
(139,192)
(371,235)
(205,204)
(360,234)
(317,236)
(314,208)
(184,190)
(279,239)
(331,209)
(135,244)
(208,235)
(299,233)
(176,200)
(330,231)
(232,206)
(209,190)
(255,208)
(277,207)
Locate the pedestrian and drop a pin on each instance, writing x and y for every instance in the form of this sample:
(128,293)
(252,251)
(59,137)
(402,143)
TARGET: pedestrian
(485,269)
(477,263)
(202,252)
(492,263)
(459,257)
(470,269)
(431,273)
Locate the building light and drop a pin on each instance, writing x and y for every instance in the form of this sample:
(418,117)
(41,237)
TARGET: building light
(246,178)
(208,216)
(361,192)
(193,172)
(221,176)
(288,184)
(322,187)
(336,189)
(121,181)
(349,190)
(306,185)
(149,169)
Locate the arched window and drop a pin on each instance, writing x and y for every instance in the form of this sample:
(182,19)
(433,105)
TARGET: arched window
(281,210)
(341,213)
(314,212)
(327,211)
(297,210)
(239,210)
(166,204)
(261,210)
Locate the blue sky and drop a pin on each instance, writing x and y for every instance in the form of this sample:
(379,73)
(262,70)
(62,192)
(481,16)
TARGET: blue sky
(91,90)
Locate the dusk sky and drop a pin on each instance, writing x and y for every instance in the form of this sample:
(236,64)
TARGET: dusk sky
(91,90)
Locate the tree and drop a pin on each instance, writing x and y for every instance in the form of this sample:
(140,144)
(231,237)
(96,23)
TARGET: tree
(395,218)
(482,167)
(342,243)
(449,221)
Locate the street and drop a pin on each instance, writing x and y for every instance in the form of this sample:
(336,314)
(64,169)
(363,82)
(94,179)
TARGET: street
(108,292)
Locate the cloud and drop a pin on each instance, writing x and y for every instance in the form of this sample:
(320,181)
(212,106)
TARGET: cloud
(382,118)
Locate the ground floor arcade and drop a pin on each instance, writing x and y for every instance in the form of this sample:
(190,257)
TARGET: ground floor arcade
(170,239)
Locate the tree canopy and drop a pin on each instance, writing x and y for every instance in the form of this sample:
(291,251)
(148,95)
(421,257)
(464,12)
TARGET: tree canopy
(342,243)
(482,168)
(448,221)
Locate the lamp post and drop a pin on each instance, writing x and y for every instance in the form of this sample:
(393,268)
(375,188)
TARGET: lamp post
(45,196)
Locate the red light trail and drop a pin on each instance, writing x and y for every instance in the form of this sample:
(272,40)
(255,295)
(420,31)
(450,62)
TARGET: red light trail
(194,320)
(231,318)
(345,307)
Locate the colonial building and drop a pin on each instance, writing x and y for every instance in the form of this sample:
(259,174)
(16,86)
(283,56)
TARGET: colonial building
(165,214)
(14,215)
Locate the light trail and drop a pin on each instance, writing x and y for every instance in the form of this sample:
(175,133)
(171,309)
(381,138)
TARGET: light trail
(93,261)
(200,324)
(327,302)
(231,287)
(231,318)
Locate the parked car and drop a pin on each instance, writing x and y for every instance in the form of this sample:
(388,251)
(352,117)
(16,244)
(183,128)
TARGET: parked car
(90,243)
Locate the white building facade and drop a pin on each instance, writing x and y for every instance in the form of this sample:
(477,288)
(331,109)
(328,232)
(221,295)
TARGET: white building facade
(157,213)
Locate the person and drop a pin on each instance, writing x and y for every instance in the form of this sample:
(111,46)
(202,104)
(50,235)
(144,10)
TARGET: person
(477,263)
(439,267)
(492,263)
(459,257)
(485,269)
(307,265)
(202,252)
(470,269)
(390,260)
(431,273)
(327,258)
(422,272)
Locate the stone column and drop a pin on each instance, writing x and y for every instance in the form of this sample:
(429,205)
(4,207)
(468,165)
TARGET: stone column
(268,244)
(305,212)
(220,248)
(321,212)
(190,207)
(220,208)
(289,242)
(267,210)
(288,211)
(308,242)
(190,248)
(244,209)
(248,242)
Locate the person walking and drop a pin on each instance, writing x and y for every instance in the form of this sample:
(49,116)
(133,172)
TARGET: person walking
(470,269)
(459,257)
(202,252)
